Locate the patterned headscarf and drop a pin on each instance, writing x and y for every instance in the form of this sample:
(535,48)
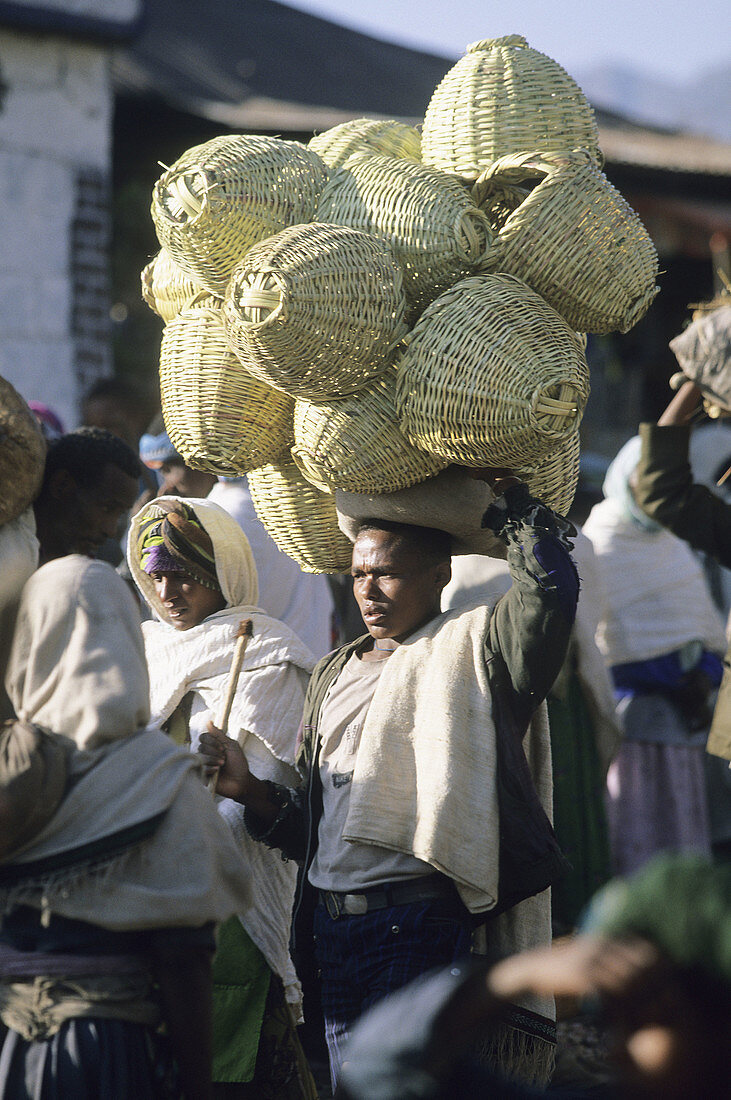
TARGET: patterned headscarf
(178,543)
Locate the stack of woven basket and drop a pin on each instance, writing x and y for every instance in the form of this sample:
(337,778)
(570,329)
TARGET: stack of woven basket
(364,311)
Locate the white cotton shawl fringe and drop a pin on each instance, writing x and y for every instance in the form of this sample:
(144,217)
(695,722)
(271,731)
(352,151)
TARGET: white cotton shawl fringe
(149,885)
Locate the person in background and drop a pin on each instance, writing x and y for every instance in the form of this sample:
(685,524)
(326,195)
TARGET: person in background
(301,600)
(89,484)
(118,407)
(173,476)
(51,425)
(662,638)
(105,932)
(667,493)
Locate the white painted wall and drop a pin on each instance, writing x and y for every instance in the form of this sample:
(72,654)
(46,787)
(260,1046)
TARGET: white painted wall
(55,120)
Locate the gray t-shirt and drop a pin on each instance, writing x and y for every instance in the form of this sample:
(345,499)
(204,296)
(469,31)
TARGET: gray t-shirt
(343,865)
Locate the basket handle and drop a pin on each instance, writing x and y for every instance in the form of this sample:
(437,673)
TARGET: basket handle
(259,299)
(178,190)
(491,43)
(515,167)
(309,471)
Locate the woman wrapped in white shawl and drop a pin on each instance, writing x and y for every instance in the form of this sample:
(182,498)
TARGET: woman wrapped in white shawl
(94,902)
(194,567)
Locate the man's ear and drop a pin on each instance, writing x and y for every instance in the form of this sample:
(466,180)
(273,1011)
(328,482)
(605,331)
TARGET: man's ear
(443,574)
(62,486)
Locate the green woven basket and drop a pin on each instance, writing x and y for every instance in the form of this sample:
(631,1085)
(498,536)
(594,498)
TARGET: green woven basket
(316,310)
(300,518)
(503,97)
(356,444)
(384,137)
(218,416)
(573,238)
(434,229)
(224,196)
(491,376)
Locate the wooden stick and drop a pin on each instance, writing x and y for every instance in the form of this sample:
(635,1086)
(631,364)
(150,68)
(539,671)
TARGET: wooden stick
(243,634)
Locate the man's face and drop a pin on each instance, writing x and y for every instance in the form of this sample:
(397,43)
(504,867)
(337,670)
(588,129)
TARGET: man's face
(114,416)
(395,589)
(84,517)
(180,480)
(187,602)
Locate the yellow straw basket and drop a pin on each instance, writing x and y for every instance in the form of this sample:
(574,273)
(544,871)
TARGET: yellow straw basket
(504,97)
(218,416)
(356,444)
(221,197)
(434,229)
(491,376)
(300,518)
(574,239)
(384,137)
(22,454)
(316,310)
(554,479)
(166,287)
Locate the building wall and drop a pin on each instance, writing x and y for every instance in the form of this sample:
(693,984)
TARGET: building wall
(55,150)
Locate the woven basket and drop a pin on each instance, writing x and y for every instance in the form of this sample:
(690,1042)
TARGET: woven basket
(221,197)
(503,97)
(574,239)
(554,479)
(382,137)
(434,229)
(218,416)
(166,287)
(491,376)
(300,518)
(356,444)
(316,310)
(22,454)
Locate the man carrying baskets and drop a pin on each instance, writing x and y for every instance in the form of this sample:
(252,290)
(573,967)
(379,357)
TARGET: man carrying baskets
(425,760)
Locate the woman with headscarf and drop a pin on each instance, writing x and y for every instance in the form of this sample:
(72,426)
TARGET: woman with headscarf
(662,639)
(105,931)
(194,567)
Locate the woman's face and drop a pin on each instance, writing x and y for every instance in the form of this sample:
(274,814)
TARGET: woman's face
(187,602)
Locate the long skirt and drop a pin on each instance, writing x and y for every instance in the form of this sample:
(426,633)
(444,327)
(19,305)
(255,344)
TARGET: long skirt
(656,789)
(87,1059)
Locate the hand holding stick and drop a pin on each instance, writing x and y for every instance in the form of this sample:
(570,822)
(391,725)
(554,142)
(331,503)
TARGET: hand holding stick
(243,634)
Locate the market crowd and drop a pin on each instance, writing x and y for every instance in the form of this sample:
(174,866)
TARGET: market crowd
(248,817)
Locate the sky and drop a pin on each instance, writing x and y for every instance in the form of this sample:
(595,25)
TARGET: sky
(674,39)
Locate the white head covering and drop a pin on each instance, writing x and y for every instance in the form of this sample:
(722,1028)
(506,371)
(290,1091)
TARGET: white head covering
(235,566)
(77,665)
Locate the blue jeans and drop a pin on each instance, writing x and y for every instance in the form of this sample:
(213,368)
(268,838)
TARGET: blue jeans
(364,958)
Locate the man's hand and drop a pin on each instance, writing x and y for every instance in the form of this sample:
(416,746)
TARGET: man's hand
(225,756)
(682,406)
(577,967)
